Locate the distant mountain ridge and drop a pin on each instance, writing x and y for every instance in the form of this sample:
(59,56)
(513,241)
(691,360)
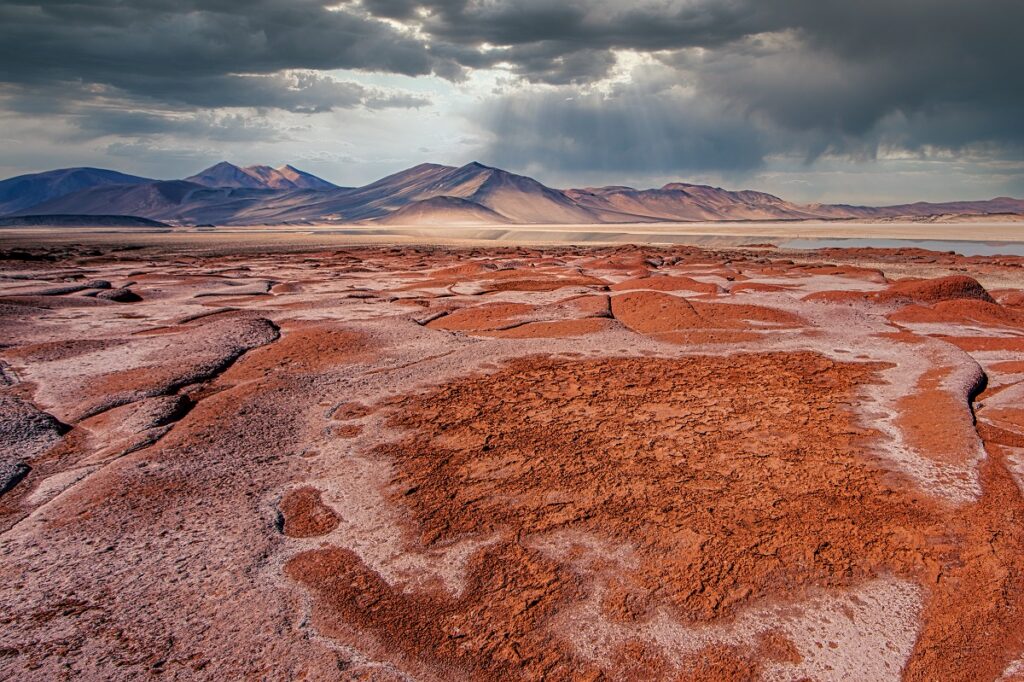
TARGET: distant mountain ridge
(685,202)
(24,191)
(79,221)
(427,194)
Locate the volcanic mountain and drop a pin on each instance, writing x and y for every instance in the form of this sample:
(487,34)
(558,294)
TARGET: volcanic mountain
(225,174)
(223,193)
(23,191)
(427,194)
(513,198)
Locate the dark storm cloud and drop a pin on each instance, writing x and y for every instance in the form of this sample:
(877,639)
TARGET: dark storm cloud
(105,40)
(804,77)
(636,128)
(597,24)
(560,42)
(737,79)
(544,63)
(850,69)
(197,52)
(180,108)
(830,65)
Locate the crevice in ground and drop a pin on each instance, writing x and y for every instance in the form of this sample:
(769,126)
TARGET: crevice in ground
(167,424)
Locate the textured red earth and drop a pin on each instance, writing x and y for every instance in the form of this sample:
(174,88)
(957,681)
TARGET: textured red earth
(568,463)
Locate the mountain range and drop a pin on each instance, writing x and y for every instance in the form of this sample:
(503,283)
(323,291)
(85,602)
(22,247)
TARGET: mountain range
(428,194)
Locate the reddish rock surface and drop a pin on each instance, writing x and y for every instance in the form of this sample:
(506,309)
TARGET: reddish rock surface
(275,461)
(304,515)
(955,287)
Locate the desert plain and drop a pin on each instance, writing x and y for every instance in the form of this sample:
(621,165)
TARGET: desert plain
(312,455)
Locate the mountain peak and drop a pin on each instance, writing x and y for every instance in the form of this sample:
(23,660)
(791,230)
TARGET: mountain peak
(428,166)
(684,186)
(300,179)
(225,174)
(221,167)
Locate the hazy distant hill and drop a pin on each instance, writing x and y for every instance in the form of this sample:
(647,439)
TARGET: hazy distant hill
(79,221)
(993,206)
(427,194)
(177,201)
(681,201)
(223,193)
(24,191)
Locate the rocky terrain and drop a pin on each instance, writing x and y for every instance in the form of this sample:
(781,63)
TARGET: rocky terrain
(510,463)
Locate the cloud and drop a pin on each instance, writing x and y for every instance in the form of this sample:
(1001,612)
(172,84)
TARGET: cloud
(831,70)
(113,42)
(191,126)
(722,86)
(211,53)
(955,93)
(834,76)
(237,112)
(640,127)
(295,91)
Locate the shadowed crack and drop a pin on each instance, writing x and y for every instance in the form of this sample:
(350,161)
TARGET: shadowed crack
(167,380)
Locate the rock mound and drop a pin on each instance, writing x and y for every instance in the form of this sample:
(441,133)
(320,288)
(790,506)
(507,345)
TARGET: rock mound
(654,312)
(122,295)
(650,313)
(25,432)
(935,290)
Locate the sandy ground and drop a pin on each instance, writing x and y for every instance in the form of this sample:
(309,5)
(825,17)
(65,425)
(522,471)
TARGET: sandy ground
(286,455)
(674,232)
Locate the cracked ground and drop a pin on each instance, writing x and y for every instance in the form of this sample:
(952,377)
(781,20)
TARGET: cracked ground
(561,463)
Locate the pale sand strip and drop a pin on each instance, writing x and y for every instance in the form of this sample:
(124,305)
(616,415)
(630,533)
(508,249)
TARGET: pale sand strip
(695,233)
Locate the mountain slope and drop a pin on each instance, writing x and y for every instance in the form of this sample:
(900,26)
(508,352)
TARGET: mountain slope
(172,200)
(442,211)
(24,191)
(152,200)
(516,197)
(54,220)
(369,202)
(299,179)
(681,201)
(513,197)
(226,174)
(389,193)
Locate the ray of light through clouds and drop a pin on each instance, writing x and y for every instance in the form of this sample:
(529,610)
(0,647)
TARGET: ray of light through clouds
(819,100)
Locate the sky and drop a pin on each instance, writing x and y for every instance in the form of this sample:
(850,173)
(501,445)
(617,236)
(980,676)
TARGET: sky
(875,101)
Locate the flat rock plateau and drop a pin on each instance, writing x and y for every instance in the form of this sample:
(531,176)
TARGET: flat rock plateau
(510,463)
